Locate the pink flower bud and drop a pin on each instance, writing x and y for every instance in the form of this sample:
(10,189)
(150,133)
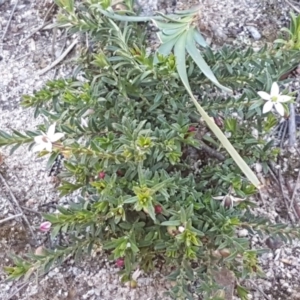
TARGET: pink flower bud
(101,175)
(45,226)
(120,262)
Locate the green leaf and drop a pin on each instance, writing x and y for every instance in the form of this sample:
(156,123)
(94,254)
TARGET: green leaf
(151,211)
(14,148)
(203,66)
(242,292)
(166,48)
(130,200)
(55,231)
(171,223)
(164,25)
(199,38)
(188,270)
(51,159)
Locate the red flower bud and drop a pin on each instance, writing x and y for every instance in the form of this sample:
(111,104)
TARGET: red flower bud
(120,262)
(101,175)
(158,209)
(192,129)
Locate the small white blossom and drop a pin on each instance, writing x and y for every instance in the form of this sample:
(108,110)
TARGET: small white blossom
(46,140)
(228,200)
(181,229)
(274,99)
(243,232)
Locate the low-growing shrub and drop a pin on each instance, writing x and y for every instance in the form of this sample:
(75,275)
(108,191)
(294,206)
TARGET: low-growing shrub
(148,174)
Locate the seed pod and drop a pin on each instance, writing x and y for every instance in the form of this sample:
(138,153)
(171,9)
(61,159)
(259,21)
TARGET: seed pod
(39,250)
(133,284)
(225,252)
(216,254)
(172,230)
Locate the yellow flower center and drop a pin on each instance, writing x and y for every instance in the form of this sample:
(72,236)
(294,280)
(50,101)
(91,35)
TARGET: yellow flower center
(274,98)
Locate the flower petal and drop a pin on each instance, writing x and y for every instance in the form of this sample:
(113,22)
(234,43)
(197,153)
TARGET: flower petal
(56,136)
(219,197)
(264,95)
(274,89)
(51,130)
(284,98)
(38,147)
(39,139)
(48,146)
(268,107)
(280,109)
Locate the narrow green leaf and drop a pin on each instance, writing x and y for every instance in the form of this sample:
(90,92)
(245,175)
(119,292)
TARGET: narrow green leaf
(14,148)
(164,25)
(131,200)
(199,38)
(203,66)
(179,52)
(171,223)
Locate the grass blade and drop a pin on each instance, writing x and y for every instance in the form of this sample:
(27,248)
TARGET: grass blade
(179,51)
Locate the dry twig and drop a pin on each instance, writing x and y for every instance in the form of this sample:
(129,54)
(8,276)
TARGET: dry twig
(59,59)
(18,290)
(212,152)
(293,6)
(10,218)
(295,189)
(31,210)
(17,204)
(292,126)
(259,289)
(9,21)
(45,22)
(37,30)
(281,184)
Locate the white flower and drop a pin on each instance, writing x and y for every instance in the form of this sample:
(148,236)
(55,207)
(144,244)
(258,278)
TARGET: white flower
(228,200)
(181,229)
(243,232)
(45,141)
(274,99)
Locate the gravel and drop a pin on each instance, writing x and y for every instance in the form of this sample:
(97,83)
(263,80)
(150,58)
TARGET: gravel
(244,22)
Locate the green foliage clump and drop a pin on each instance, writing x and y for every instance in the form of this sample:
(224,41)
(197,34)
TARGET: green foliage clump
(132,151)
(292,40)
